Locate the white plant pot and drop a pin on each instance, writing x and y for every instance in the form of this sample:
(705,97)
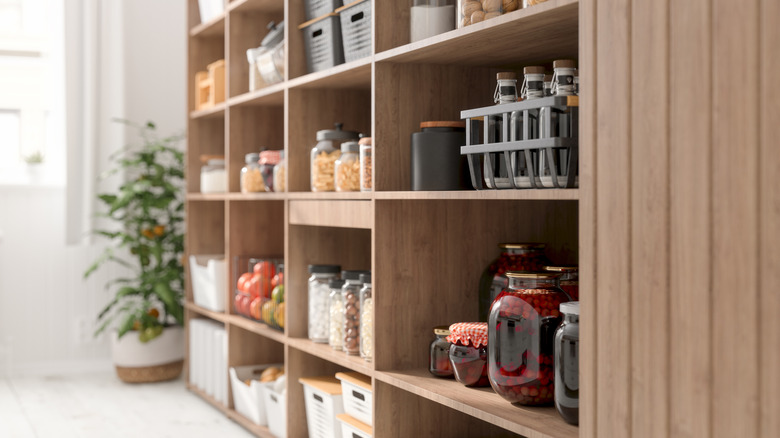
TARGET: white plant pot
(160,359)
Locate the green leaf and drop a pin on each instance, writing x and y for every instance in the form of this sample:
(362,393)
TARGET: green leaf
(126,325)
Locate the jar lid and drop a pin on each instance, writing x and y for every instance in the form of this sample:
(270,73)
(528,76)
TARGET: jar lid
(564,63)
(365,278)
(469,333)
(506,75)
(324,269)
(336,134)
(533,70)
(441,330)
(561,268)
(527,274)
(353,275)
(444,124)
(270,157)
(275,34)
(530,245)
(336,283)
(251,158)
(206,158)
(350,146)
(365,141)
(571,308)
(215,162)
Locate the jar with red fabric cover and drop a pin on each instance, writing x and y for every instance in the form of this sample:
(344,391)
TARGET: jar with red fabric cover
(521,331)
(468,352)
(570,280)
(528,257)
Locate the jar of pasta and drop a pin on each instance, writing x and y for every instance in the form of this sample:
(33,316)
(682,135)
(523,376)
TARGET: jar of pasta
(324,156)
(347,168)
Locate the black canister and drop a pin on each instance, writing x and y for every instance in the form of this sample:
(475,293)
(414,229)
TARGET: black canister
(436,160)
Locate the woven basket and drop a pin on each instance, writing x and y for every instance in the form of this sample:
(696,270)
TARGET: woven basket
(156,373)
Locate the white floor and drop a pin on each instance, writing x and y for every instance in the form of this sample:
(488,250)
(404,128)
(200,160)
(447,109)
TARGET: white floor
(100,406)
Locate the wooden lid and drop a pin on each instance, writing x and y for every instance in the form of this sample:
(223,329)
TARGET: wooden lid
(443,124)
(359,425)
(314,20)
(506,75)
(564,63)
(533,70)
(327,384)
(365,141)
(356,379)
(205,158)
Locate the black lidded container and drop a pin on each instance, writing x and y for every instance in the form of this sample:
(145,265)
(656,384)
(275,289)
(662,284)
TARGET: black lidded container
(435,156)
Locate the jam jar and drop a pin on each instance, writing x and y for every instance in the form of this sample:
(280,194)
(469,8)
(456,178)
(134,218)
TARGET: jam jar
(521,327)
(514,257)
(567,363)
(269,159)
(570,280)
(468,352)
(439,363)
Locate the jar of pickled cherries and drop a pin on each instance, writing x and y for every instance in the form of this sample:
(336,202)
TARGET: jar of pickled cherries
(570,280)
(439,362)
(521,329)
(468,352)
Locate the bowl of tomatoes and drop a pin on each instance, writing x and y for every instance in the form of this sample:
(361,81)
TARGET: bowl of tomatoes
(259,293)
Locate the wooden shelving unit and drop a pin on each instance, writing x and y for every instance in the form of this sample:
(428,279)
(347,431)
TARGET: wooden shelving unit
(426,249)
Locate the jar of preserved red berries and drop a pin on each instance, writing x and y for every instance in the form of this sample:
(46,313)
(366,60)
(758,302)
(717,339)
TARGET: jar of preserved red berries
(521,330)
(439,363)
(570,280)
(468,352)
(514,257)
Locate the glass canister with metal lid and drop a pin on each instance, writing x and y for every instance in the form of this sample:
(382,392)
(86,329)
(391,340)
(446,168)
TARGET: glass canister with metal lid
(251,177)
(570,280)
(324,156)
(347,168)
(567,363)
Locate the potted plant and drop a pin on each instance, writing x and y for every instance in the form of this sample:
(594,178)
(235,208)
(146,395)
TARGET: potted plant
(146,311)
(34,163)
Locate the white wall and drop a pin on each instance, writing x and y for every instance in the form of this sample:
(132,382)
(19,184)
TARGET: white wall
(47,312)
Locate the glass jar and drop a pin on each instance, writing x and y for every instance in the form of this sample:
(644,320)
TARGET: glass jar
(268,160)
(570,280)
(351,294)
(531,88)
(347,168)
(213,177)
(366,319)
(567,364)
(468,353)
(319,292)
(506,88)
(366,165)
(564,72)
(324,156)
(431,17)
(527,3)
(554,168)
(439,362)
(270,55)
(280,171)
(336,315)
(513,257)
(476,11)
(521,327)
(251,178)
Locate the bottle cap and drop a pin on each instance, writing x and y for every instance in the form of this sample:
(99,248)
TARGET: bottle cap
(506,75)
(564,63)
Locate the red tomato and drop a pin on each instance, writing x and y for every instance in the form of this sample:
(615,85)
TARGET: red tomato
(242,281)
(265,288)
(253,286)
(245,305)
(254,308)
(237,303)
(265,269)
(277,280)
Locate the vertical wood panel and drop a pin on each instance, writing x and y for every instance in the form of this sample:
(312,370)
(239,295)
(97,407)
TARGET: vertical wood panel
(769,230)
(613,218)
(690,283)
(735,313)
(587,213)
(649,219)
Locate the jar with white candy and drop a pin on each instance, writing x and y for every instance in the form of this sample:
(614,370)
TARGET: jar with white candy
(319,301)
(336,315)
(366,319)
(351,295)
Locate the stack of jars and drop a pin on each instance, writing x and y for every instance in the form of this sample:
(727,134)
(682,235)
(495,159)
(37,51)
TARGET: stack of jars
(341,310)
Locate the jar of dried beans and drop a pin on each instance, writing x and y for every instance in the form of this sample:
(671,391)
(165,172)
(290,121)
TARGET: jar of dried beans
(570,280)
(521,329)
(351,295)
(513,257)
(439,362)
(324,156)
(468,352)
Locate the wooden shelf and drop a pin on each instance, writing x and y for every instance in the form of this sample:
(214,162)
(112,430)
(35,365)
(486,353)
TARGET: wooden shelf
(256,327)
(350,75)
(215,112)
(324,351)
(485,195)
(194,196)
(213,28)
(259,431)
(255,6)
(263,196)
(546,31)
(268,96)
(216,316)
(332,213)
(482,403)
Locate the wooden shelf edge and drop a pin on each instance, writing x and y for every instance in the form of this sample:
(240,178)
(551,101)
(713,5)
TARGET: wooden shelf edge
(272,95)
(207,196)
(260,431)
(487,195)
(264,196)
(324,196)
(257,328)
(209,28)
(207,113)
(217,316)
(337,73)
(483,404)
(324,351)
(255,5)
